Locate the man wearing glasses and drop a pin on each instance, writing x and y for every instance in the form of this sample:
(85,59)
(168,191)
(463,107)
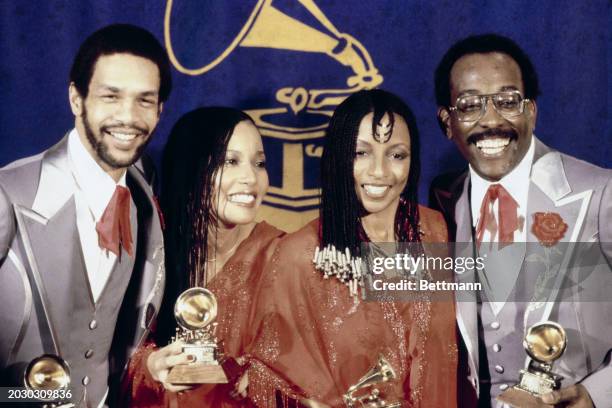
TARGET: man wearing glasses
(486,90)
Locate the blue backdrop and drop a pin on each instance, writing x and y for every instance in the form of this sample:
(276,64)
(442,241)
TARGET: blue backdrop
(291,62)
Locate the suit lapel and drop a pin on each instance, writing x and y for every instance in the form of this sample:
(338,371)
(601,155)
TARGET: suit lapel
(56,184)
(463,214)
(150,259)
(52,220)
(147,227)
(547,172)
(55,272)
(467,318)
(550,192)
(56,188)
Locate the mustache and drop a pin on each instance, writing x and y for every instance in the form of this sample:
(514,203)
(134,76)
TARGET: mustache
(125,126)
(509,133)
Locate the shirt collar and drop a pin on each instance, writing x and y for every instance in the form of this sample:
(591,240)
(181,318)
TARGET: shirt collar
(95,184)
(516,184)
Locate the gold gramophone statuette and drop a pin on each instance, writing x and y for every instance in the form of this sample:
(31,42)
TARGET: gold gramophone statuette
(355,397)
(49,377)
(544,343)
(195,310)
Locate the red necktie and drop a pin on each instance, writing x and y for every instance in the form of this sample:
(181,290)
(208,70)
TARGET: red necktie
(114,229)
(506,215)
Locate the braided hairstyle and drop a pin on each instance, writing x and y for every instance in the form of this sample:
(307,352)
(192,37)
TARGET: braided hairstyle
(341,211)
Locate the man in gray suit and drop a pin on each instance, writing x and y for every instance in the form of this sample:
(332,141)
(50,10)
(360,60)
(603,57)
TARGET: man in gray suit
(517,190)
(81,248)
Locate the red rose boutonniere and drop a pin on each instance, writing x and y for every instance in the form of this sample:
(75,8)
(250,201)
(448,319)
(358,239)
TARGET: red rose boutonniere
(548,228)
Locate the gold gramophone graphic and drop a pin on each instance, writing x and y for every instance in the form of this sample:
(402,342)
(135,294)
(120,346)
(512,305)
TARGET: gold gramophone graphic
(364,394)
(49,373)
(195,311)
(299,123)
(545,343)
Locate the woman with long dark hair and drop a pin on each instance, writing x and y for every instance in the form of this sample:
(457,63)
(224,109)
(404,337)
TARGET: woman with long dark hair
(214,180)
(315,335)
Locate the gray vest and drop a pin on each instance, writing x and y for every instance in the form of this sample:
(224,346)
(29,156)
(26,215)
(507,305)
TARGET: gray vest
(85,331)
(503,345)
(502,336)
(93,328)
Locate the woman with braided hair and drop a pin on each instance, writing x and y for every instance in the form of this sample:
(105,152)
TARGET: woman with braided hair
(314,333)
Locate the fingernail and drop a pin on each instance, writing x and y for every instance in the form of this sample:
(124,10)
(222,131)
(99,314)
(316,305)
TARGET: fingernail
(191,357)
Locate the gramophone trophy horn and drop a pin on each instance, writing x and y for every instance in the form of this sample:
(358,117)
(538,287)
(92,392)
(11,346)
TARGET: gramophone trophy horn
(195,310)
(544,343)
(50,373)
(47,372)
(382,372)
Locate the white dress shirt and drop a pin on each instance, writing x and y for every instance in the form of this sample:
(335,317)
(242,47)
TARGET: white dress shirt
(516,184)
(94,190)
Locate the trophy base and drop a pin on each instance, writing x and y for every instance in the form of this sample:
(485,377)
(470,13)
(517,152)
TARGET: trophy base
(197,373)
(517,398)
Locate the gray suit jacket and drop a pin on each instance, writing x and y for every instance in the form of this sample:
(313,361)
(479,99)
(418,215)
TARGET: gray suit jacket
(582,194)
(36,194)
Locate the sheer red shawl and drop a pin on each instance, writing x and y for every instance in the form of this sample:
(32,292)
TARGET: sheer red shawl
(310,340)
(233,287)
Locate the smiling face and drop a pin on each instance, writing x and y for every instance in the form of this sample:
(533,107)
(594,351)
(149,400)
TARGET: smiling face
(493,144)
(241,184)
(381,169)
(121,110)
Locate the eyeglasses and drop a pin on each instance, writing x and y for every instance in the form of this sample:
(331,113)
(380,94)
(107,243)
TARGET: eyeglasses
(470,108)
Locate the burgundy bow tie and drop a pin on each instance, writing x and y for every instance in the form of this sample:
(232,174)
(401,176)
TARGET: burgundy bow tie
(506,215)
(114,228)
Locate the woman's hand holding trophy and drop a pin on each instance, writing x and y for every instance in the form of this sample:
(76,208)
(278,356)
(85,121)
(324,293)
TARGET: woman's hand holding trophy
(193,357)
(161,361)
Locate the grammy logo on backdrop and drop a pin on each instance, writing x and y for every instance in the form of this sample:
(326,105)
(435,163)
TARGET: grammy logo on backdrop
(295,128)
